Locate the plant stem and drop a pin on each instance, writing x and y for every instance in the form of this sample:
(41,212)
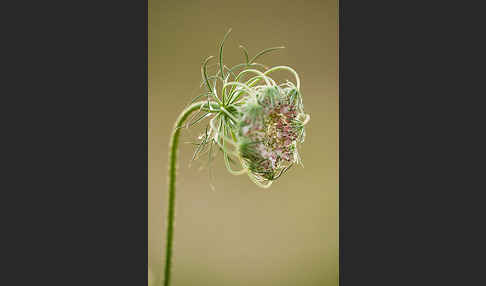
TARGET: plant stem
(174,142)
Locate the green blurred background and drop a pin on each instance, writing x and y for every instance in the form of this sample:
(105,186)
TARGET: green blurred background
(239,234)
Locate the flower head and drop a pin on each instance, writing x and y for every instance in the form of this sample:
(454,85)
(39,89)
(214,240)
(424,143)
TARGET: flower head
(256,121)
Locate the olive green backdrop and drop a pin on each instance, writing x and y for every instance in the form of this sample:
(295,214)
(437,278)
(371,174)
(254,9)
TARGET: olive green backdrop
(239,234)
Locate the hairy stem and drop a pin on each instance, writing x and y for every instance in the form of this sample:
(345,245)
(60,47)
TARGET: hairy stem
(174,142)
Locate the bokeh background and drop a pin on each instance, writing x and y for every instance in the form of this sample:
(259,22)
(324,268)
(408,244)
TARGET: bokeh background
(239,234)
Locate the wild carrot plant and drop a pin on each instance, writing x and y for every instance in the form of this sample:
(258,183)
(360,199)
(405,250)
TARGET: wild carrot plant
(256,122)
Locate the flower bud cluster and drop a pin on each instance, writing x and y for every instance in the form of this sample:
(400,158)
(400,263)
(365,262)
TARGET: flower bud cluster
(268,132)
